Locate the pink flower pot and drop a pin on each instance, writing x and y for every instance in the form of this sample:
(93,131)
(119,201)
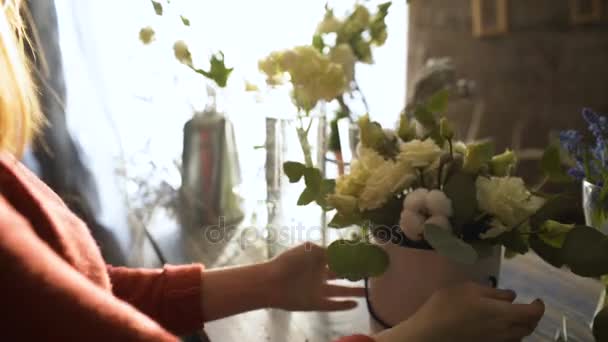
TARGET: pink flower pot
(414,275)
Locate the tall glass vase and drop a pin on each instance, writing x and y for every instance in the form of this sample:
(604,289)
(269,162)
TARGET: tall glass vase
(596,216)
(289,224)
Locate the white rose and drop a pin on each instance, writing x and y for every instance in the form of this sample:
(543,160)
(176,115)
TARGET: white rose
(507,198)
(419,154)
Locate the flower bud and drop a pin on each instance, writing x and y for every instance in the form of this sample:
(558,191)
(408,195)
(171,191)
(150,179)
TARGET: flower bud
(501,165)
(477,155)
(180,49)
(146,35)
(445,130)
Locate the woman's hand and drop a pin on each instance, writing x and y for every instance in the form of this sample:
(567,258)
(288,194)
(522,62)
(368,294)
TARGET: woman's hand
(469,313)
(301,282)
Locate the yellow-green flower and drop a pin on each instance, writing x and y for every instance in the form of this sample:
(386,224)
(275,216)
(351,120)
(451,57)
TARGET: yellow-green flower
(506,198)
(420,154)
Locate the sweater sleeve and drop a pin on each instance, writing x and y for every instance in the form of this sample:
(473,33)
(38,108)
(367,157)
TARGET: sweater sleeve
(44,298)
(171,295)
(356,338)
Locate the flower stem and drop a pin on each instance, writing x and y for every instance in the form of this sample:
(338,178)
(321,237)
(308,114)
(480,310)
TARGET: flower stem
(303,138)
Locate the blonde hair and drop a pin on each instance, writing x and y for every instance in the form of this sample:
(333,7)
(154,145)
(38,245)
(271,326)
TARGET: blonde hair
(19,110)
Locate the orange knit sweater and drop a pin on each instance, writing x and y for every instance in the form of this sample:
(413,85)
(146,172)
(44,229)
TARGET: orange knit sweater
(55,286)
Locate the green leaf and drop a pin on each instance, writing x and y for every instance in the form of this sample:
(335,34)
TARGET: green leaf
(585,251)
(308,196)
(502,165)
(317,42)
(438,103)
(548,253)
(551,165)
(185,20)
(355,260)
(313,178)
(406,130)
(217,71)
(448,245)
(554,233)
(372,134)
(553,209)
(600,325)
(327,187)
(460,189)
(158,7)
(386,215)
(294,171)
(343,221)
(425,117)
(478,154)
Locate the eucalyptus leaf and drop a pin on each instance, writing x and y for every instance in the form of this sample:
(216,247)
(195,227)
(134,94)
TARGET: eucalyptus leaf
(600,326)
(356,260)
(554,233)
(585,251)
(425,117)
(553,209)
(548,253)
(448,245)
(514,241)
(460,189)
(218,72)
(294,171)
(327,187)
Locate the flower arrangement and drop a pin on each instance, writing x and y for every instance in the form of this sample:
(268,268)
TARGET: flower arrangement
(324,71)
(419,187)
(590,157)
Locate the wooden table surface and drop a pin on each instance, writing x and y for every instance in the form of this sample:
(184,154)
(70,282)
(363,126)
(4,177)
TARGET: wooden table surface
(565,295)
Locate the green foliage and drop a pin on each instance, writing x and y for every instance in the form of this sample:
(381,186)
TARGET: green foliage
(387,215)
(356,260)
(333,143)
(438,103)
(406,130)
(448,245)
(316,189)
(553,208)
(585,251)
(460,189)
(343,221)
(554,233)
(185,20)
(377,27)
(502,165)
(513,241)
(547,252)
(158,7)
(294,171)
(551,166)
(478,155)
(372,136)
(318,43)
(600,326)
(445,130)
(218,71)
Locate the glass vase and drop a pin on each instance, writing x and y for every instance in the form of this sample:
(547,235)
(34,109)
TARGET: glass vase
(595,216)
(287,223)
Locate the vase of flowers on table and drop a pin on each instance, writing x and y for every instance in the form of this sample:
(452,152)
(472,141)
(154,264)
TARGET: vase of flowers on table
(590,167)
(434,211)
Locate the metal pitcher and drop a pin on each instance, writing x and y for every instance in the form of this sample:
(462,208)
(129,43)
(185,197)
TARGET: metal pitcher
(210,170)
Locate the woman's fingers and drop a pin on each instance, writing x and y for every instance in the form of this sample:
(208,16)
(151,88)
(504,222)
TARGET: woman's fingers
(331,275)
(522,314)
(343,291)
(337,305)
(498,294)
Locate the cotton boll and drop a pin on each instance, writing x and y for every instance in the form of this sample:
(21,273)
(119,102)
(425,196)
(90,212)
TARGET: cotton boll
(412,224)
(416,200)
(438,203)
(440,221)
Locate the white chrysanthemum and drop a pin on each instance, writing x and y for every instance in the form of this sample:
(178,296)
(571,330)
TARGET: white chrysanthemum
(507,198)
(353,183)
(419,154)
(422,207)
(384,181)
